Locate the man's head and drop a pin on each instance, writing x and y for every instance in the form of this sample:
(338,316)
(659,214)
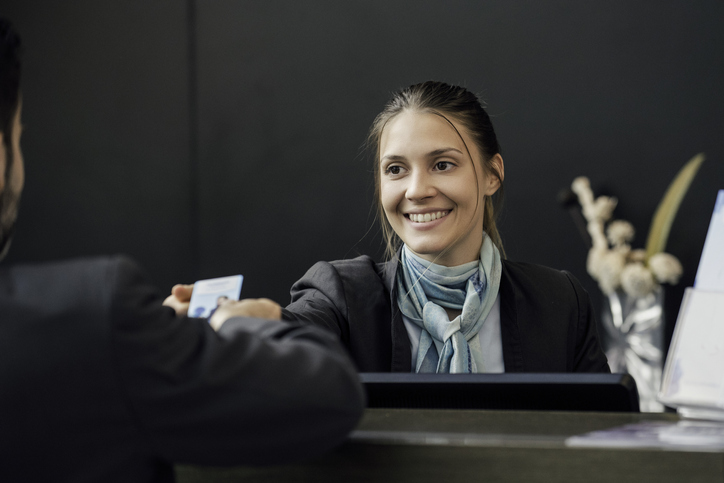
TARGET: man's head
(12,174)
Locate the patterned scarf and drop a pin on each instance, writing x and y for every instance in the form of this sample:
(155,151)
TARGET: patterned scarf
(424,288)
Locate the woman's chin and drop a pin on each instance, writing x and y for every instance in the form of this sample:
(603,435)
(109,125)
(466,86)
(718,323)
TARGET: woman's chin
(425,251)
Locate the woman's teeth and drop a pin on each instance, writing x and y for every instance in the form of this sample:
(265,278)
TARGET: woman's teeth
(427,216)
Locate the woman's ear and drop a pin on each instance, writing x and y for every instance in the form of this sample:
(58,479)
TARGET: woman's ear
(3,162)
(496,176)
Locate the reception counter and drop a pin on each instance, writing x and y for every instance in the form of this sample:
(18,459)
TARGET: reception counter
(419,446)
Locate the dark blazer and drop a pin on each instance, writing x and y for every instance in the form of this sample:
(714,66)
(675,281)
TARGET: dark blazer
(547,324)
(100,382)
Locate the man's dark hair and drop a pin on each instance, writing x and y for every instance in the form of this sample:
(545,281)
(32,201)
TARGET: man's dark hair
(9,86)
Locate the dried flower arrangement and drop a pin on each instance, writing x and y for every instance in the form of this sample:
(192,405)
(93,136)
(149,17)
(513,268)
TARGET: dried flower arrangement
(611,260)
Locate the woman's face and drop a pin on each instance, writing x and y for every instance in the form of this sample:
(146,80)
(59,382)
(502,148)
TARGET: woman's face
(428,187)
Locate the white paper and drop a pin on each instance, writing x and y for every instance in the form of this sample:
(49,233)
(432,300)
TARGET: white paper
(710,275)
(694,373)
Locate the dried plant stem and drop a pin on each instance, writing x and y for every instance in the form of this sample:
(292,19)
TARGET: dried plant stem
(666,211)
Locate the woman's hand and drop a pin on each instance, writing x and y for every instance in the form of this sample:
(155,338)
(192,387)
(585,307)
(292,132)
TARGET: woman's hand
(257,308)
(179,298)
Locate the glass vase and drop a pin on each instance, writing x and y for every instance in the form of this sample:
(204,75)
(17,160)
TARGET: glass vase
(633,341)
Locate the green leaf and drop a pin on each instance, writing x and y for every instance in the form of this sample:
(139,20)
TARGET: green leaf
(669,205)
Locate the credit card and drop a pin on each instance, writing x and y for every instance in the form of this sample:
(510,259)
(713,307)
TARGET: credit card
(209,294)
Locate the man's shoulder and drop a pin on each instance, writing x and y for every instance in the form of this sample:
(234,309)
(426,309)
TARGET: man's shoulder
(72,278)
(69,269)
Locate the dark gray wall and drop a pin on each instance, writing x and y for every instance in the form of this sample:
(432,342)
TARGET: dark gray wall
(211,138)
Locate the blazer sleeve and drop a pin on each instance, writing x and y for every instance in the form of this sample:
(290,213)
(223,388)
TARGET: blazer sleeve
(255,392)
(318,299)
(349,299)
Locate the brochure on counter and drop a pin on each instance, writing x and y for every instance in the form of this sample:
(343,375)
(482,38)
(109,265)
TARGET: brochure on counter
(681,436)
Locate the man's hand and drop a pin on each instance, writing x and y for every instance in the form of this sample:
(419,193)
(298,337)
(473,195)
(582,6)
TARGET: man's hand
(179,298)
(257,308)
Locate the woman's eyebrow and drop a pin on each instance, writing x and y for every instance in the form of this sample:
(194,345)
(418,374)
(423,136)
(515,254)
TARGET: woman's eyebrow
(431,154)
(441,151)
(392,157)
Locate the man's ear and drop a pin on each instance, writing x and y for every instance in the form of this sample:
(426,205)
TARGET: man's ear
(496,175)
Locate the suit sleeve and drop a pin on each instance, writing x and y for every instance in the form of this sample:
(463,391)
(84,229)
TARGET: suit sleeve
(256,392)
(589,357)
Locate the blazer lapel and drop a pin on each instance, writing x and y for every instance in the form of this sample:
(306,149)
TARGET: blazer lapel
(509,331)
(401,353)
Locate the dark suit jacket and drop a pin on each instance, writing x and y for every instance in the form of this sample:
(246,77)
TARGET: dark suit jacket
(547,324)
(99,382)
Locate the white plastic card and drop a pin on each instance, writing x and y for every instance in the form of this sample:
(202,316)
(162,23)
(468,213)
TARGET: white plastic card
(208,294)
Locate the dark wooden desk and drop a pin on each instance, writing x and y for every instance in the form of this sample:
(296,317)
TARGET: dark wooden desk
(421,446)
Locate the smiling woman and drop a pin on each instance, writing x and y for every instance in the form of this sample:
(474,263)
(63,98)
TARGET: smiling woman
(446,300)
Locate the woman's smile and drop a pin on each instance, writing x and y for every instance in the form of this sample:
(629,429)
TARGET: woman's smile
(426,218)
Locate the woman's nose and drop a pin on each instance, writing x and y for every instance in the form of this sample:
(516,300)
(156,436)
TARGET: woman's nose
(420,187)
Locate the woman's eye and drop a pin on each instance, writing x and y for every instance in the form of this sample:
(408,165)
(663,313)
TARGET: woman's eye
(393,170)
(443,165)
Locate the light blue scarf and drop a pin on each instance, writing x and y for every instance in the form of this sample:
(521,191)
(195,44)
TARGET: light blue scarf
(424,288)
